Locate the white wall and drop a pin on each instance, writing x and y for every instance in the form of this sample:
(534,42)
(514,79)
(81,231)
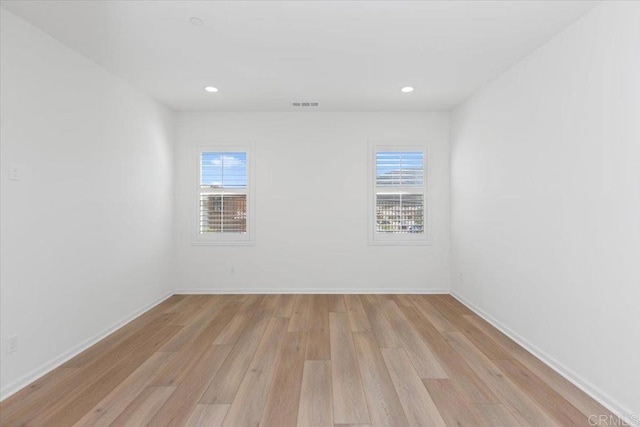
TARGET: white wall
(311,204)
(546,202)
(86,232)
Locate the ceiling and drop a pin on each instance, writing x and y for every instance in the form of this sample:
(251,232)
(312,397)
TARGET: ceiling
(264,55)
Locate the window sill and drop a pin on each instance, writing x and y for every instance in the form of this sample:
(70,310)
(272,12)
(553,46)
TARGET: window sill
(223,243)
(392,242)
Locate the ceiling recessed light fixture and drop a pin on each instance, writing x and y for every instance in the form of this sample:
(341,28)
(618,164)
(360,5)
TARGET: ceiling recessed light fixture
(196,21)
(211,89)
(407,89)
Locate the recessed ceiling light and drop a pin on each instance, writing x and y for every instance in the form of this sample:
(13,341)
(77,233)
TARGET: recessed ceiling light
(196,21)
(407,89)
(211,89)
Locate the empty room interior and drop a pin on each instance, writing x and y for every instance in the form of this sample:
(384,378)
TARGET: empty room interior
(320,213)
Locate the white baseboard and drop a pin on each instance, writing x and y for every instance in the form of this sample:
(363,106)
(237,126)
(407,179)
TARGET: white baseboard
(584,385)
(308,291)
(30,377)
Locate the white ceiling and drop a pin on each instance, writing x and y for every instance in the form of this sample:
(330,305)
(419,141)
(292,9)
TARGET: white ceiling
(263,55)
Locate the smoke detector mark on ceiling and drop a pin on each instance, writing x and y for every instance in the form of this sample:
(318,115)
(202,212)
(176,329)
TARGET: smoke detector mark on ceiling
(304,104)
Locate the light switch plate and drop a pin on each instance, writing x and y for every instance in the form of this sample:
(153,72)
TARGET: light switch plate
(12,344)
(14,173)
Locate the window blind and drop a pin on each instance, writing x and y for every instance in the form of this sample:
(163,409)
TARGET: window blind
(223,192)
(399,192)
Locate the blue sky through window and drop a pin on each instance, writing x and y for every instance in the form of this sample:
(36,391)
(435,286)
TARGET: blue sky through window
(223,169)
(400,168)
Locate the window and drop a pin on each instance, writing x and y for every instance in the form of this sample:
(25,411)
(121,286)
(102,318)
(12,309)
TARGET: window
(398,201)
(224,201)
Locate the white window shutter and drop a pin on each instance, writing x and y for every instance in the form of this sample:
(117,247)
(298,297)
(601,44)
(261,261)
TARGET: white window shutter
(224,195)
(399,195)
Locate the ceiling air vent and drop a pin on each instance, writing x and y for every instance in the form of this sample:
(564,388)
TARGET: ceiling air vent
(304,104)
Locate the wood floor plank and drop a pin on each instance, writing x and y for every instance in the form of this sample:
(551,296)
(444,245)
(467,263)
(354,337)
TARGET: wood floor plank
(507,343)
(284,308)
(495,415)
(420,354)
(193,329)
(570,392)
(436,318)
(67,388)
(125,347)
(526,411)
(357,316)
(449,313)
(418,406)
(249,402)
(184,301)
(175,371)
(22,405)
(402,300)
(299,320)
(318,347)
(192,306)
(455,410)
(550,400)
(479,339)
(109,343)
(382,329)
(316,407)
(349,402)
(231,358)
(109,408)
(180,302)
(167,305)
(484,343)
(250,304)
(238,297)
(144,407)
(83,399)
(454,304)
(117,337)
(270,301)
(336,303)
(281,408)
(470,385)
(224,385)
(384,406)
(207,415)
(231,332)
(178,408)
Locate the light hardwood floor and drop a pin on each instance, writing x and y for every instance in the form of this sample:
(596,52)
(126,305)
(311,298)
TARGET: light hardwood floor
(306,360)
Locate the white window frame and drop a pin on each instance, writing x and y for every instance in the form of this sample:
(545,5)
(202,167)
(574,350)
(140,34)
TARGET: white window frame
(404,239)
(225,239)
